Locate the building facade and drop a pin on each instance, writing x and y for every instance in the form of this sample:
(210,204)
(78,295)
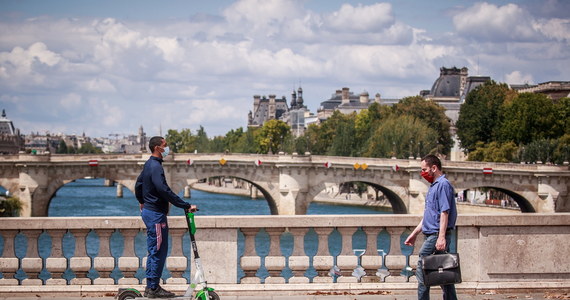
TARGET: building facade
(296,115)
(347,102)
(11,141)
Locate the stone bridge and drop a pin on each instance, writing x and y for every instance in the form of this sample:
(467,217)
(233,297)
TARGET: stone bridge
(288,182)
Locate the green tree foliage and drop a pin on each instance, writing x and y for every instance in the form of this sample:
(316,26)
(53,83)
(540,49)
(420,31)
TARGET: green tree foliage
(61,147)
(494,152)
(563,111)
(479,116)
(529,117)
(247,142)
(321,136)
(88,148)
(546,150)
(432,114)
(181,142)
(344,142)
(202,142)
(272,136)
(10,207)
(233,138)
(402,136)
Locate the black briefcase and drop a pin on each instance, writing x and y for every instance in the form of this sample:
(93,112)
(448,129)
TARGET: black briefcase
(441,269)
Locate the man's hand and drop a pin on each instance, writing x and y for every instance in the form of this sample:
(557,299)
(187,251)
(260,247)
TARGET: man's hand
(411,240)
(193,208)
(440,244)
(141,206)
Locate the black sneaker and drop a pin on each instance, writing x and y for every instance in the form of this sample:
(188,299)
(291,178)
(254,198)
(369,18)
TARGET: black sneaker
(146,290)
(159,292)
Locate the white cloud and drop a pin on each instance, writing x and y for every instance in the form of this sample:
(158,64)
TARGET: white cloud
(489,22)
(516,77)
(557,29)
(115,74)
(361,18)
(27,64)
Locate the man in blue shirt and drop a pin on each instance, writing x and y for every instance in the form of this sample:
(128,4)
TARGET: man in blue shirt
(439,218)
(154,197)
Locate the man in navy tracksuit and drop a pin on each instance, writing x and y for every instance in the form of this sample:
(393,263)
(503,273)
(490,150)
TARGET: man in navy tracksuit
(154,197)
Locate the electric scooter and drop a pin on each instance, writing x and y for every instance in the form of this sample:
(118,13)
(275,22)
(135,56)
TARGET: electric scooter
(203,293)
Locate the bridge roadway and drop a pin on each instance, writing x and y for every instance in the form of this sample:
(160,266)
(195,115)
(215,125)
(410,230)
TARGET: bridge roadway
(288,182)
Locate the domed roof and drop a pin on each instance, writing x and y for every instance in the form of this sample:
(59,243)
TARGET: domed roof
(449,82)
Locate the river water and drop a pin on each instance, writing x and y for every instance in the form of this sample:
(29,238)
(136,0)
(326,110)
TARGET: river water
(89,197)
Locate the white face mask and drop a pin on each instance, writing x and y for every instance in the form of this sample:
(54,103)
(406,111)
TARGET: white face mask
(166,151)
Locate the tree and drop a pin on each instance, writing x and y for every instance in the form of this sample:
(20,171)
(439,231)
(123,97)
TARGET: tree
(494,152)
(272,136)
(232,139)
(10,206)
(344,141)
(320,137)
(563,109)
(529,117)
(366,123)
(202,142)
(402,136)
(479,115)
(180,142)
(88,148)
(61,147)
(247,142)
(432,114)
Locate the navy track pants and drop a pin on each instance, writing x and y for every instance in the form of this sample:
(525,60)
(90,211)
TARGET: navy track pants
(157,243)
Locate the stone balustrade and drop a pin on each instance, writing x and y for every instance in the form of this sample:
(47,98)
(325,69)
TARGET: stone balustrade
(283,253)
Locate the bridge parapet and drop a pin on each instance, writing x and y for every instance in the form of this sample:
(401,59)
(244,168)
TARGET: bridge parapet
(281,254)
(288,182)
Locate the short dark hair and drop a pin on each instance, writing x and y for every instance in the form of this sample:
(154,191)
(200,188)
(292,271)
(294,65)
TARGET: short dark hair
(431,160)
(154,141)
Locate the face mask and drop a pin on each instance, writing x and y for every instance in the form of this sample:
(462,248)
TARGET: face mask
(166,151)
(427,177)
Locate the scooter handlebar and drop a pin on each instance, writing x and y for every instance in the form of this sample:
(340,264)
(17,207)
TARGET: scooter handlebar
(187,210)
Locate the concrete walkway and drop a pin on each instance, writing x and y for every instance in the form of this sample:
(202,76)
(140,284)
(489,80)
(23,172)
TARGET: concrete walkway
(486,296)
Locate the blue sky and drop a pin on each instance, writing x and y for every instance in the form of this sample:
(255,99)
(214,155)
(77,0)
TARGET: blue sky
(104,66)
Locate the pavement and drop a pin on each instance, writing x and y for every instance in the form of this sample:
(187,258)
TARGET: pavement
(491,295)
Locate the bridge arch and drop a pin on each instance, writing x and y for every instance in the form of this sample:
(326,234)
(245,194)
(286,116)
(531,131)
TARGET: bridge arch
(523,203)
(394,197)
(257,180)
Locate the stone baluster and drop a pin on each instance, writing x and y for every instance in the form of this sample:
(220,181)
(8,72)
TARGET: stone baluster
(104,263)
(32,263)
(80,263)
(298,261)
(177,262)
(371,261)
(129,262)
(250,261)
(415,255)
(56,263)
(323,261)
(8,261)
(395,261)
(347,261)
(275,261)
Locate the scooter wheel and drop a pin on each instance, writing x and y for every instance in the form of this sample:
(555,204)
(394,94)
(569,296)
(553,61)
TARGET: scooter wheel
(211,296)
(128,295)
